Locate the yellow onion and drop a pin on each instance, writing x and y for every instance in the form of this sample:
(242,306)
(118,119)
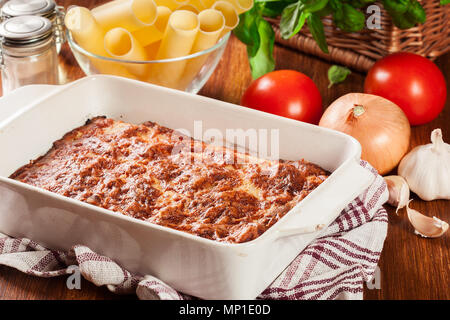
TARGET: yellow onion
(378,124)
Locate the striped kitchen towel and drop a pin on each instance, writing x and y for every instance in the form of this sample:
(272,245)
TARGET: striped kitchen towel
(334,266)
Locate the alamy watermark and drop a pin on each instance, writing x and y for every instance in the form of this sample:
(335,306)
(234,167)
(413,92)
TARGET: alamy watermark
(373,21)
(74,280)
(228,146)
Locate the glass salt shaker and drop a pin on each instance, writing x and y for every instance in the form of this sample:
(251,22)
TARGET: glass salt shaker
(28,52)
(44,8)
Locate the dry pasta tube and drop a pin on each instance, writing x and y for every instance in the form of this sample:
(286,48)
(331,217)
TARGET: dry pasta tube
(230,14)
(121,44)
(171,4)
(147,35)
(129,14)
(152,50)
(188,7)
(241,6)
(208,3)
(155,32)
(161,23)
(212,23)
(197,4)
(163,18)
(85,30)
(178,39)
(88,35)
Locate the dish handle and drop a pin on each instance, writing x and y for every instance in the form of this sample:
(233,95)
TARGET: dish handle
(353,180)
(21,97)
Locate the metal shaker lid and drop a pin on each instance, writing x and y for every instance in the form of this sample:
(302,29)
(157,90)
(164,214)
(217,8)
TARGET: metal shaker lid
(14,8)
(25,29)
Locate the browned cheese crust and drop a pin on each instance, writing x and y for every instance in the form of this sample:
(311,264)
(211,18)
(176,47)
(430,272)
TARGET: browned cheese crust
(155,174)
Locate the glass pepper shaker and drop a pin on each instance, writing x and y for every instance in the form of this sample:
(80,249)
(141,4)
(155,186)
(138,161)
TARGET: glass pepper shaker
(28,52)
(44,8)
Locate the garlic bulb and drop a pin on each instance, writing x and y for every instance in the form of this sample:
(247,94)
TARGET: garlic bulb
(425,226)
(426,169)
(398,191)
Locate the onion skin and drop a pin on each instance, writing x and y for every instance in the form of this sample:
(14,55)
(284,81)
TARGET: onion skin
(380,126)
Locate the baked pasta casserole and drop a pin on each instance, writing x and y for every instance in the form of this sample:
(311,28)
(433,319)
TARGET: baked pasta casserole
(156,174)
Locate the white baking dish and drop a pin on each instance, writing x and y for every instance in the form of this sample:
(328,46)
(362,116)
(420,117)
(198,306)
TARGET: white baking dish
(191,264)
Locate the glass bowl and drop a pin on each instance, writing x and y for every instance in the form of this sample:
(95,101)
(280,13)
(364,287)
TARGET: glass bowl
(187,73)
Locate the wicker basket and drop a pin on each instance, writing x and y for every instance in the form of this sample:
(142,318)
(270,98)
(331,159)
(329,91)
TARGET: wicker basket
(360,50)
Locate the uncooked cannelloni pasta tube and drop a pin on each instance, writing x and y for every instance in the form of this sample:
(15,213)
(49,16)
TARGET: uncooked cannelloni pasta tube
(148,35)
(188,7)
(129,14)
(180,34)
(212,23)
(85,30)
(161,23)
(121,44)
(152,50)
(230,14)
(88,35)
(198,4)
(163,17)
(155,32)
(208,3)
(241,5)
(171,4)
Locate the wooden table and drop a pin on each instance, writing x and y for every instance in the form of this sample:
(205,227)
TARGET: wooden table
(411,267)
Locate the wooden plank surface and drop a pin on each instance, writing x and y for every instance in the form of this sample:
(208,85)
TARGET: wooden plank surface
(410,267)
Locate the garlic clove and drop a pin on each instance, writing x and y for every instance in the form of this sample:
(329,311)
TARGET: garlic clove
(398,191)
(425,226)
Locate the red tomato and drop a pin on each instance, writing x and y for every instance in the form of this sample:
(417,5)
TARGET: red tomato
(286,93)
(412,82)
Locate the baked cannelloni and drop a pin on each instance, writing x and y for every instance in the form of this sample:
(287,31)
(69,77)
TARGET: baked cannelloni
(156,174)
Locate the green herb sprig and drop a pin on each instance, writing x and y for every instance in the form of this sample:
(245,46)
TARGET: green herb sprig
(347,15)
(337,74)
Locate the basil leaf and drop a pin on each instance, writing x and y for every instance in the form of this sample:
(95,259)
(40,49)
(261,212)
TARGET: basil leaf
(259,37)
(294,15)
(337,74)
(325,11)
(401,21)
(273,8)
(315,25)
(314,5)
(263,62)
(444,2)
(247,30)
(357,4)
(268,1)
(291,21)
(360,3)
(416,12)
(396,6)
(350,20)
(336,5)
(338,12)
